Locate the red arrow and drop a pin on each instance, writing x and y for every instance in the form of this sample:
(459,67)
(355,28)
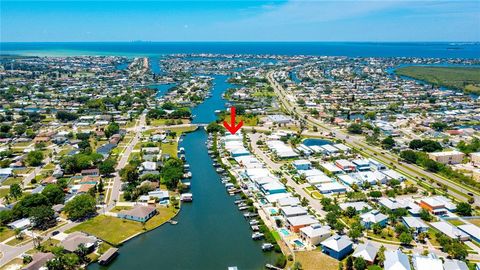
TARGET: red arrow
(232,127)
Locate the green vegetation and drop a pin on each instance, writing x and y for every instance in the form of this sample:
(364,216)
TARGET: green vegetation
(81,206)
(460,78)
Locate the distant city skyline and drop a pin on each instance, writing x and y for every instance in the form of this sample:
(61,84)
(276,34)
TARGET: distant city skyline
(294,20)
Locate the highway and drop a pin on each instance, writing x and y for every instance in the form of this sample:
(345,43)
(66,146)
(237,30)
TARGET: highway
(359,143)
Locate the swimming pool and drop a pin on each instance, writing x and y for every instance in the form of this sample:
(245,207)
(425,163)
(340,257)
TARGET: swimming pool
(298,243)
(273,211)
(284,231)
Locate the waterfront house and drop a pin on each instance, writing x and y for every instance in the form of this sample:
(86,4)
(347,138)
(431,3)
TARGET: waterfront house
(415,224)
(367,251)
(139,213)
(297,222)
(373,217)
(337,246)
(396,260)
(315,233)
(288,201)
(72,242)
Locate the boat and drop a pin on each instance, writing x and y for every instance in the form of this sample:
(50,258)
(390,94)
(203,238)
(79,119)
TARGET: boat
(239,201)
(187,175)
(257,236)
(186,197)
(269,266)
(217,111)
(250,215)
(241,208)
(255,228)
(253,222)
(173,222)
(267,246)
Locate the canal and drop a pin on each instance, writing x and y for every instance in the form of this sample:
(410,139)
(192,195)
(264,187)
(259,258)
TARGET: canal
(211,233)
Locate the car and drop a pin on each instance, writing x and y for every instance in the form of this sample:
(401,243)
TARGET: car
(470,194)
(55,232)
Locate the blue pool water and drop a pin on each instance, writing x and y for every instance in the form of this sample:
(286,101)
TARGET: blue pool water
(284,231)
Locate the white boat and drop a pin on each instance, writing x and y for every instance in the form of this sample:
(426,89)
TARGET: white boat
(257,236)
(267,246)
(186,197)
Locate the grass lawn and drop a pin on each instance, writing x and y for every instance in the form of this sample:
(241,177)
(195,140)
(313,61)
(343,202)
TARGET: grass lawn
(117,209)
(3,192)
(23,171)
(115,230)
(170,148)
(247,121)
(475,221)
(16,241)
(313,259)
(316,195)
(455,222)
(6,233)
(12,180)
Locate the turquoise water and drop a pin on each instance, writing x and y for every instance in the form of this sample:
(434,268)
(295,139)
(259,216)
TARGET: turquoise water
(285,232)
(162,89)
(367,49)
(318,142)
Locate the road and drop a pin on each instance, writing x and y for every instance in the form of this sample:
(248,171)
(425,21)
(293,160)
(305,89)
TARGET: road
(117,181)
(273,166)
(10,252)
(359,143)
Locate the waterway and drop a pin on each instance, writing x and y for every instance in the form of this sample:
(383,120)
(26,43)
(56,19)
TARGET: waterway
(211,233)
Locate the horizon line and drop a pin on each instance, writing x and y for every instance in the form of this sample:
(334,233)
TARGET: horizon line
(240,41)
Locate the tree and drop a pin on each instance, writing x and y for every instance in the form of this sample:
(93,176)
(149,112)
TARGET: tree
(388,142)
(355,128)
(112,128)
(409,155)
(34,158)
(381,255)
(377,228)
(425,215)
(360,264)
(349,263)
(80,207)
(464,209)
(129,174)
(405,238)
(43,217)
(24,207)
(65,116)
(172,172)
(107,167)
(15,191)
(54,194)
(350,212)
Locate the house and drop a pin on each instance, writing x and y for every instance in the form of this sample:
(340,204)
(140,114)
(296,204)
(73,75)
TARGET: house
(361,164)
(139,213)
(345,165)
(75,239)
(415,224)
(149,166)
(437,205)
(90,172)
(288,201)
(333,187)
(337,246)
(430,262)
(454,265)
(315,233)
(450,230)
(373,217)
(472,230)
(39,260)
(298,222)
(302,164)
(366,251)
(20,224)
(293,211)
(396,260)
(358,206)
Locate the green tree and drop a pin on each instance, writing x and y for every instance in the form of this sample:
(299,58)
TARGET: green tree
(107,167)
(405,238)
(54,194)
(15,190)
(80,207)
(43,217)
(360,264)
(464,209)
(34,158)
(355,128)
(388,142)
(112,128)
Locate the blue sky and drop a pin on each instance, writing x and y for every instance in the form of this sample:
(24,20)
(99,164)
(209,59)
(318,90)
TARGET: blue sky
(294,20)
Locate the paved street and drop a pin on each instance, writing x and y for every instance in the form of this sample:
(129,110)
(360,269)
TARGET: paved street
(359,143)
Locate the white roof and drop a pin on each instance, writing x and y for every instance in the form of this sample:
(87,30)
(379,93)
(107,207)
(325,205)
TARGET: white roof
(294,210)
(373,216)
(414,222)
(450,230)
(337,242)
(426,262)
(316,230)
(301,220)
(470,229)
(359,206)
(330,167)
(396,260)
(367,251)
(333,186)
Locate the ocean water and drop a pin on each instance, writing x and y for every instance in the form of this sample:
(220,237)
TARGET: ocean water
(352,49)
